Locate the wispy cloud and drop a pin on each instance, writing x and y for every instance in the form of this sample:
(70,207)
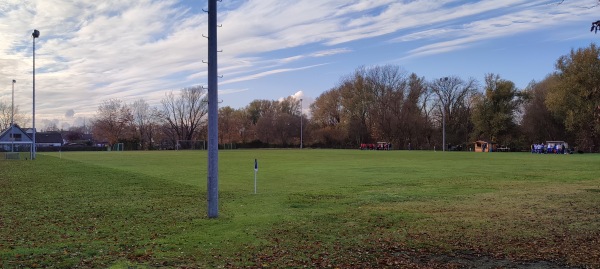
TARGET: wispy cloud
(537,15)
(232,91)
(267,73)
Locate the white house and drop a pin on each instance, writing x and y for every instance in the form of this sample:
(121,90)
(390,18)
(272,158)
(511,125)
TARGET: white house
(14,139)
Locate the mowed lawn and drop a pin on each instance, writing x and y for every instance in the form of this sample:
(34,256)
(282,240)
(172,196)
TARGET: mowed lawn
(314,208)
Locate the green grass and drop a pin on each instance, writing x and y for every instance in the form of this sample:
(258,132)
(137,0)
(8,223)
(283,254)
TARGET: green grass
(314,208)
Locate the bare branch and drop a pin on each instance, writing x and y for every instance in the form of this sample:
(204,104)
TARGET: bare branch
(595,26)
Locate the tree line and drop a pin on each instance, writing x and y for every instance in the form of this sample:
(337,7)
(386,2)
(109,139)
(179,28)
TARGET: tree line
(383,103)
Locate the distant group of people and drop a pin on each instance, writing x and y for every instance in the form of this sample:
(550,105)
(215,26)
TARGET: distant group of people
(548,149)
(378,146)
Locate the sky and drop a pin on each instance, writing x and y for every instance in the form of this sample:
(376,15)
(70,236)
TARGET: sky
(90,51)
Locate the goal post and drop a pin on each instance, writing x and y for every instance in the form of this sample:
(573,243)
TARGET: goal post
(190,145)
(229,146)
(118,147)
(16,150)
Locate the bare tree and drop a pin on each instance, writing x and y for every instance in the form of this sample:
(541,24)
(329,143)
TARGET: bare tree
(113,121)
(596,24)
(185,114)
(388,85)
(145,119)
(357,102)
(6,116)
(265,130)
(51,127)
(380,103)
(413,125)
(286,128)
(453,96)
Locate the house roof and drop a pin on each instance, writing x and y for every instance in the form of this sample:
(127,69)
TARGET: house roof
(48,138)
(5,135)
(40,138)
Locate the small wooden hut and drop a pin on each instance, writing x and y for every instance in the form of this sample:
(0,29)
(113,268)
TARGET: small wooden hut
(485,146)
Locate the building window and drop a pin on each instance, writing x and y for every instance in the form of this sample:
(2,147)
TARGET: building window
(15,137)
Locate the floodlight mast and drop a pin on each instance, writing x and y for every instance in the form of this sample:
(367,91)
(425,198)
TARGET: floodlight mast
(35,35)
(443,80)
(12,118)
(12,106)
(301,123)
(213,110)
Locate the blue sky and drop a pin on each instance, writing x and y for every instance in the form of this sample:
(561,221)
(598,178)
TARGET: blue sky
(90,51)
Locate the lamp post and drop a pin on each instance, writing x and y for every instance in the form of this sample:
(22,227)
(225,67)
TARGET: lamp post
(301,124)
(444,126)
(443,116)
(12,118)
(35,35)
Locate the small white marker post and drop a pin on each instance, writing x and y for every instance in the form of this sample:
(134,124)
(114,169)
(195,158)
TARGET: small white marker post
(255,171)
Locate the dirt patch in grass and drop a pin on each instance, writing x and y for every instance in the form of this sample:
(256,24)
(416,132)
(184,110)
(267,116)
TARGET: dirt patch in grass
(377,253)
(551,223)
(554,226)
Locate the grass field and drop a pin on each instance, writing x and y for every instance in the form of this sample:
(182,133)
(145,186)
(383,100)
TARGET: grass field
(314,208)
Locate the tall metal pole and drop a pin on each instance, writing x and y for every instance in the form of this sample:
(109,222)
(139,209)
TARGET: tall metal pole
(444,126)
(12,106)
(12,118)
(301,123)
(443,116)
(213,110)
(35,35)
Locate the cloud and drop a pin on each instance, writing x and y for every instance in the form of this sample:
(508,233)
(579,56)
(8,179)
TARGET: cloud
(70,113)
(267,73)
(298,95)
(306,101)
(231,91)
(330,52)
(90,51)
(533,16)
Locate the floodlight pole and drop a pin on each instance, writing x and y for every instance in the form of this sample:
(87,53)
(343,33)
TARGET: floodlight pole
(443,117)
(301,123)
(213,110)
(444,126)
(12,118)
(35,35)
